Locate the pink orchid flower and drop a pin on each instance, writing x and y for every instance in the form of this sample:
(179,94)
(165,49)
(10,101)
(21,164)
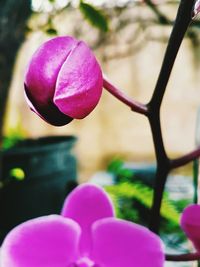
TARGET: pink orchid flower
(86,234)
(190,223)
(63,81)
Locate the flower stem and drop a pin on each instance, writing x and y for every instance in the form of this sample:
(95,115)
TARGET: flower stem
(134,105)
(183,257)
(183,19)
(161,171)
(175,163)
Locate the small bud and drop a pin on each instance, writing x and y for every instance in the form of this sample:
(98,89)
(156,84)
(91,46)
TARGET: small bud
(63,81)
(190,223)
(196,9)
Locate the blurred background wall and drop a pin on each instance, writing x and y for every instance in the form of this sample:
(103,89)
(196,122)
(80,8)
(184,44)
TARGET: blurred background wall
(130,54)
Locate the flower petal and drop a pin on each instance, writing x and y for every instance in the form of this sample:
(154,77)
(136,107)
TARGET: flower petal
(87,204)
(190,223)
(41,76)
(118,243)
(49,241)
(79,84)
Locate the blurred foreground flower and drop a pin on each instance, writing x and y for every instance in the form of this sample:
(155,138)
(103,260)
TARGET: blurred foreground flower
(190,223)
(63,81)
(85,235)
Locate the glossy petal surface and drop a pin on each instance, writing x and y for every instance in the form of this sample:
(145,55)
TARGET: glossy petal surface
(190,223)
(87,204)
(49,241)
(63,81)
(79,83)
(41,77)
(118,243)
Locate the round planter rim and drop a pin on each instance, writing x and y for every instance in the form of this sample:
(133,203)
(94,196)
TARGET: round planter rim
(41,144)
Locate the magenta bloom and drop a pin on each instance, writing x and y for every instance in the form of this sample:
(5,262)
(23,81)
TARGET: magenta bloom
(63,81)
(190,223)
(85,235)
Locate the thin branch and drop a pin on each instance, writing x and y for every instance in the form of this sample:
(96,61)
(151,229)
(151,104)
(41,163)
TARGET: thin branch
(183,257)
(182,22)
(161,17)
(134,105)
(175,163)
(161,171)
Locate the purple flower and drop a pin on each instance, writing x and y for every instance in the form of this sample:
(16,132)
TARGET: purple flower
(190,223)
(85,235)
(63,81)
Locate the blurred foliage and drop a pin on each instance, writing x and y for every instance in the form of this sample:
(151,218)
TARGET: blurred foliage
(143,194)
(51,31)
(18,174)
(116,166)
(133,200)
(13,136)
(94,16)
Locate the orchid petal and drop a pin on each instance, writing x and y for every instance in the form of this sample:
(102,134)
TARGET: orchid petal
(82,76)
(86,204)
(49,241)
(118,243)
(190,223)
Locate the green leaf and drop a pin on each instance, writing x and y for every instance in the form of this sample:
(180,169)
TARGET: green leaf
(94,16)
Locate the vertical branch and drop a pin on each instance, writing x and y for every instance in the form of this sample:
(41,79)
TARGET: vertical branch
(183,19)
(161,171)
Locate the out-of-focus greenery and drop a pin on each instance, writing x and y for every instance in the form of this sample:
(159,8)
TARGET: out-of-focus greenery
(94,16)
(13,136)
(133,199)
(143,195)
(11,140)
(18,174)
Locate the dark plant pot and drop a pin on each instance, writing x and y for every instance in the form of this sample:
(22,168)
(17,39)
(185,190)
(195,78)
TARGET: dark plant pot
(50,173)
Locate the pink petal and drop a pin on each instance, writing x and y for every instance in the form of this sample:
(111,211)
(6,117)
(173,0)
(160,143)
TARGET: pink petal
(118,243)
(197,8)
(43,242)
(190,223)
(79,83)
(41,76)
(87,204)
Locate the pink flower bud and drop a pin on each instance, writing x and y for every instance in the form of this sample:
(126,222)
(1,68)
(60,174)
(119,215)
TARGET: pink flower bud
(63,81)
(190,223)
(196,9)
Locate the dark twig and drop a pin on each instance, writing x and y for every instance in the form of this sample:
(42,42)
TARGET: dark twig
(183,257)
(175,163)
(182,22)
